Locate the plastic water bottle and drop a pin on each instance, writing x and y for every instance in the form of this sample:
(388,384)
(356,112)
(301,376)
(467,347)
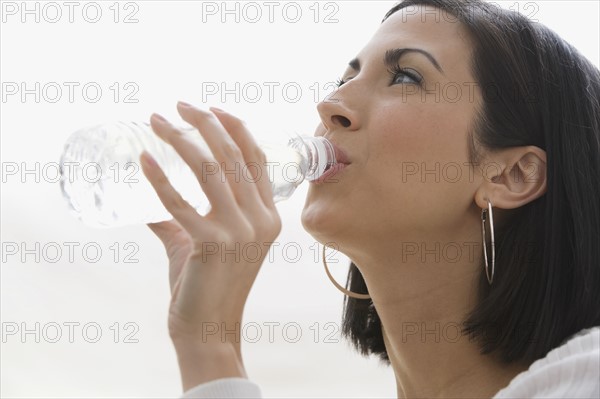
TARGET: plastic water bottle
(103,183)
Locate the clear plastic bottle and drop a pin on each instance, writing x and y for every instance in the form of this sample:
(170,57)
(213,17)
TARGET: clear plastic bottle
(103,183)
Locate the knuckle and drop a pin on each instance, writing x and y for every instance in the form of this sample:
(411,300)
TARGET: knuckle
(200,117)
(237,121)
(232,151)
(276,225)
(161,179)
(270,228)
(260,155)
(200,114)
(238,229)
(241,237)
(172,133)
(175,201)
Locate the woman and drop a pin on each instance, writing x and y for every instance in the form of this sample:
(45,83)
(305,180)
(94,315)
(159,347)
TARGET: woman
(523,134)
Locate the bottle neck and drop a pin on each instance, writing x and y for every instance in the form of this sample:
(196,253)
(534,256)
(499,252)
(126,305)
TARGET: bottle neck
(318,153)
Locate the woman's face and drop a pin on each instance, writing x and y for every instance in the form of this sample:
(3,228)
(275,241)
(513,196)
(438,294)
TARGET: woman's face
(406,140)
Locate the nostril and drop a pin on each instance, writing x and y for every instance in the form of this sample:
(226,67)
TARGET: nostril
(342,120)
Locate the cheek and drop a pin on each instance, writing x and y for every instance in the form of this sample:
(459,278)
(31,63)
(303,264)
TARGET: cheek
(400,136)
(418,137)
(415,168)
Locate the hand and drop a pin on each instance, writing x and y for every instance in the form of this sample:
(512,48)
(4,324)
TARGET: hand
(210,287)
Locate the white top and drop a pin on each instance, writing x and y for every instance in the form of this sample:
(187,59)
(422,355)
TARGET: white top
(571,370)
(225,388)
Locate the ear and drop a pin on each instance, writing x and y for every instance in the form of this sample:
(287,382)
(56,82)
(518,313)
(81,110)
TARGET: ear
(512,177)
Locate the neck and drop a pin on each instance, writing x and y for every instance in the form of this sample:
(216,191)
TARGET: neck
(422,306)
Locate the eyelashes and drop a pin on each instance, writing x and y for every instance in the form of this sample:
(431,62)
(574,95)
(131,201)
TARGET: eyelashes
(395,72)
(411,73)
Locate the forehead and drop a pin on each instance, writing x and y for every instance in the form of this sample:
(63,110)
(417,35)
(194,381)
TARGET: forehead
(428,28)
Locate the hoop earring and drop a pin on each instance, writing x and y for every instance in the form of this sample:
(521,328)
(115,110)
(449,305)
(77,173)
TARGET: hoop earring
(485,256)
(339,287)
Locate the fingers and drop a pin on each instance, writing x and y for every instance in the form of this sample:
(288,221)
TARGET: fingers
(252,153)
(227,152)
(219,195)
(181,210)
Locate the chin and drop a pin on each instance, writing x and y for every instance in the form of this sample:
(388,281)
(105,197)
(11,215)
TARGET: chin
(325,220)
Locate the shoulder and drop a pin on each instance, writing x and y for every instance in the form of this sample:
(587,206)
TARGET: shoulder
(571,370)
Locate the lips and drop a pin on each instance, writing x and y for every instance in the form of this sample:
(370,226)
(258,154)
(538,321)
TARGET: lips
(329,175)
(340,154)
(342,161)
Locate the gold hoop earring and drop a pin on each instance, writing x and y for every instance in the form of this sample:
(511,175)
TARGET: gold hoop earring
(485,256)
(339,287)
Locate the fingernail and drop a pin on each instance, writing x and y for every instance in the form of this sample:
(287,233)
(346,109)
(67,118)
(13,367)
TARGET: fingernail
(184,104)
(148,160)
(158,118)
(217,110)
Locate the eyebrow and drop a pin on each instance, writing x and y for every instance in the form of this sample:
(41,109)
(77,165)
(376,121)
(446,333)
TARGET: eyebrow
(392,57)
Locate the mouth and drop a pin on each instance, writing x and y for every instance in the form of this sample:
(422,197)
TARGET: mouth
(329,175)
(341,162)
(340,155)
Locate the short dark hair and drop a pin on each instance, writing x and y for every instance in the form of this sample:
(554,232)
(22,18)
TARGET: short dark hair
(545,94)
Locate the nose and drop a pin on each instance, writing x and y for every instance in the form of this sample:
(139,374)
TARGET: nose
(338,111)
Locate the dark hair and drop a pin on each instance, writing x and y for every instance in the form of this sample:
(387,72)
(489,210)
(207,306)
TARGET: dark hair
(546,94)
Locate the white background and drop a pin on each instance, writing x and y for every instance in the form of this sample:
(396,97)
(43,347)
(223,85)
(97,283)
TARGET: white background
(168,55)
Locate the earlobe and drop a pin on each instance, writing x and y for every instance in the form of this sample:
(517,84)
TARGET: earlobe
(520,178)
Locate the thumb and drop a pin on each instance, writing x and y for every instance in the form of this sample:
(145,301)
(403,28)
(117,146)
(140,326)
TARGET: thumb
(165,230)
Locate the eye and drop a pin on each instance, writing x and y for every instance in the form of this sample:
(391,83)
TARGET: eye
(400,76)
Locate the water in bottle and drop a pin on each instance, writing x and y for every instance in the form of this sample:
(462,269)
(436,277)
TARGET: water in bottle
(105,187)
